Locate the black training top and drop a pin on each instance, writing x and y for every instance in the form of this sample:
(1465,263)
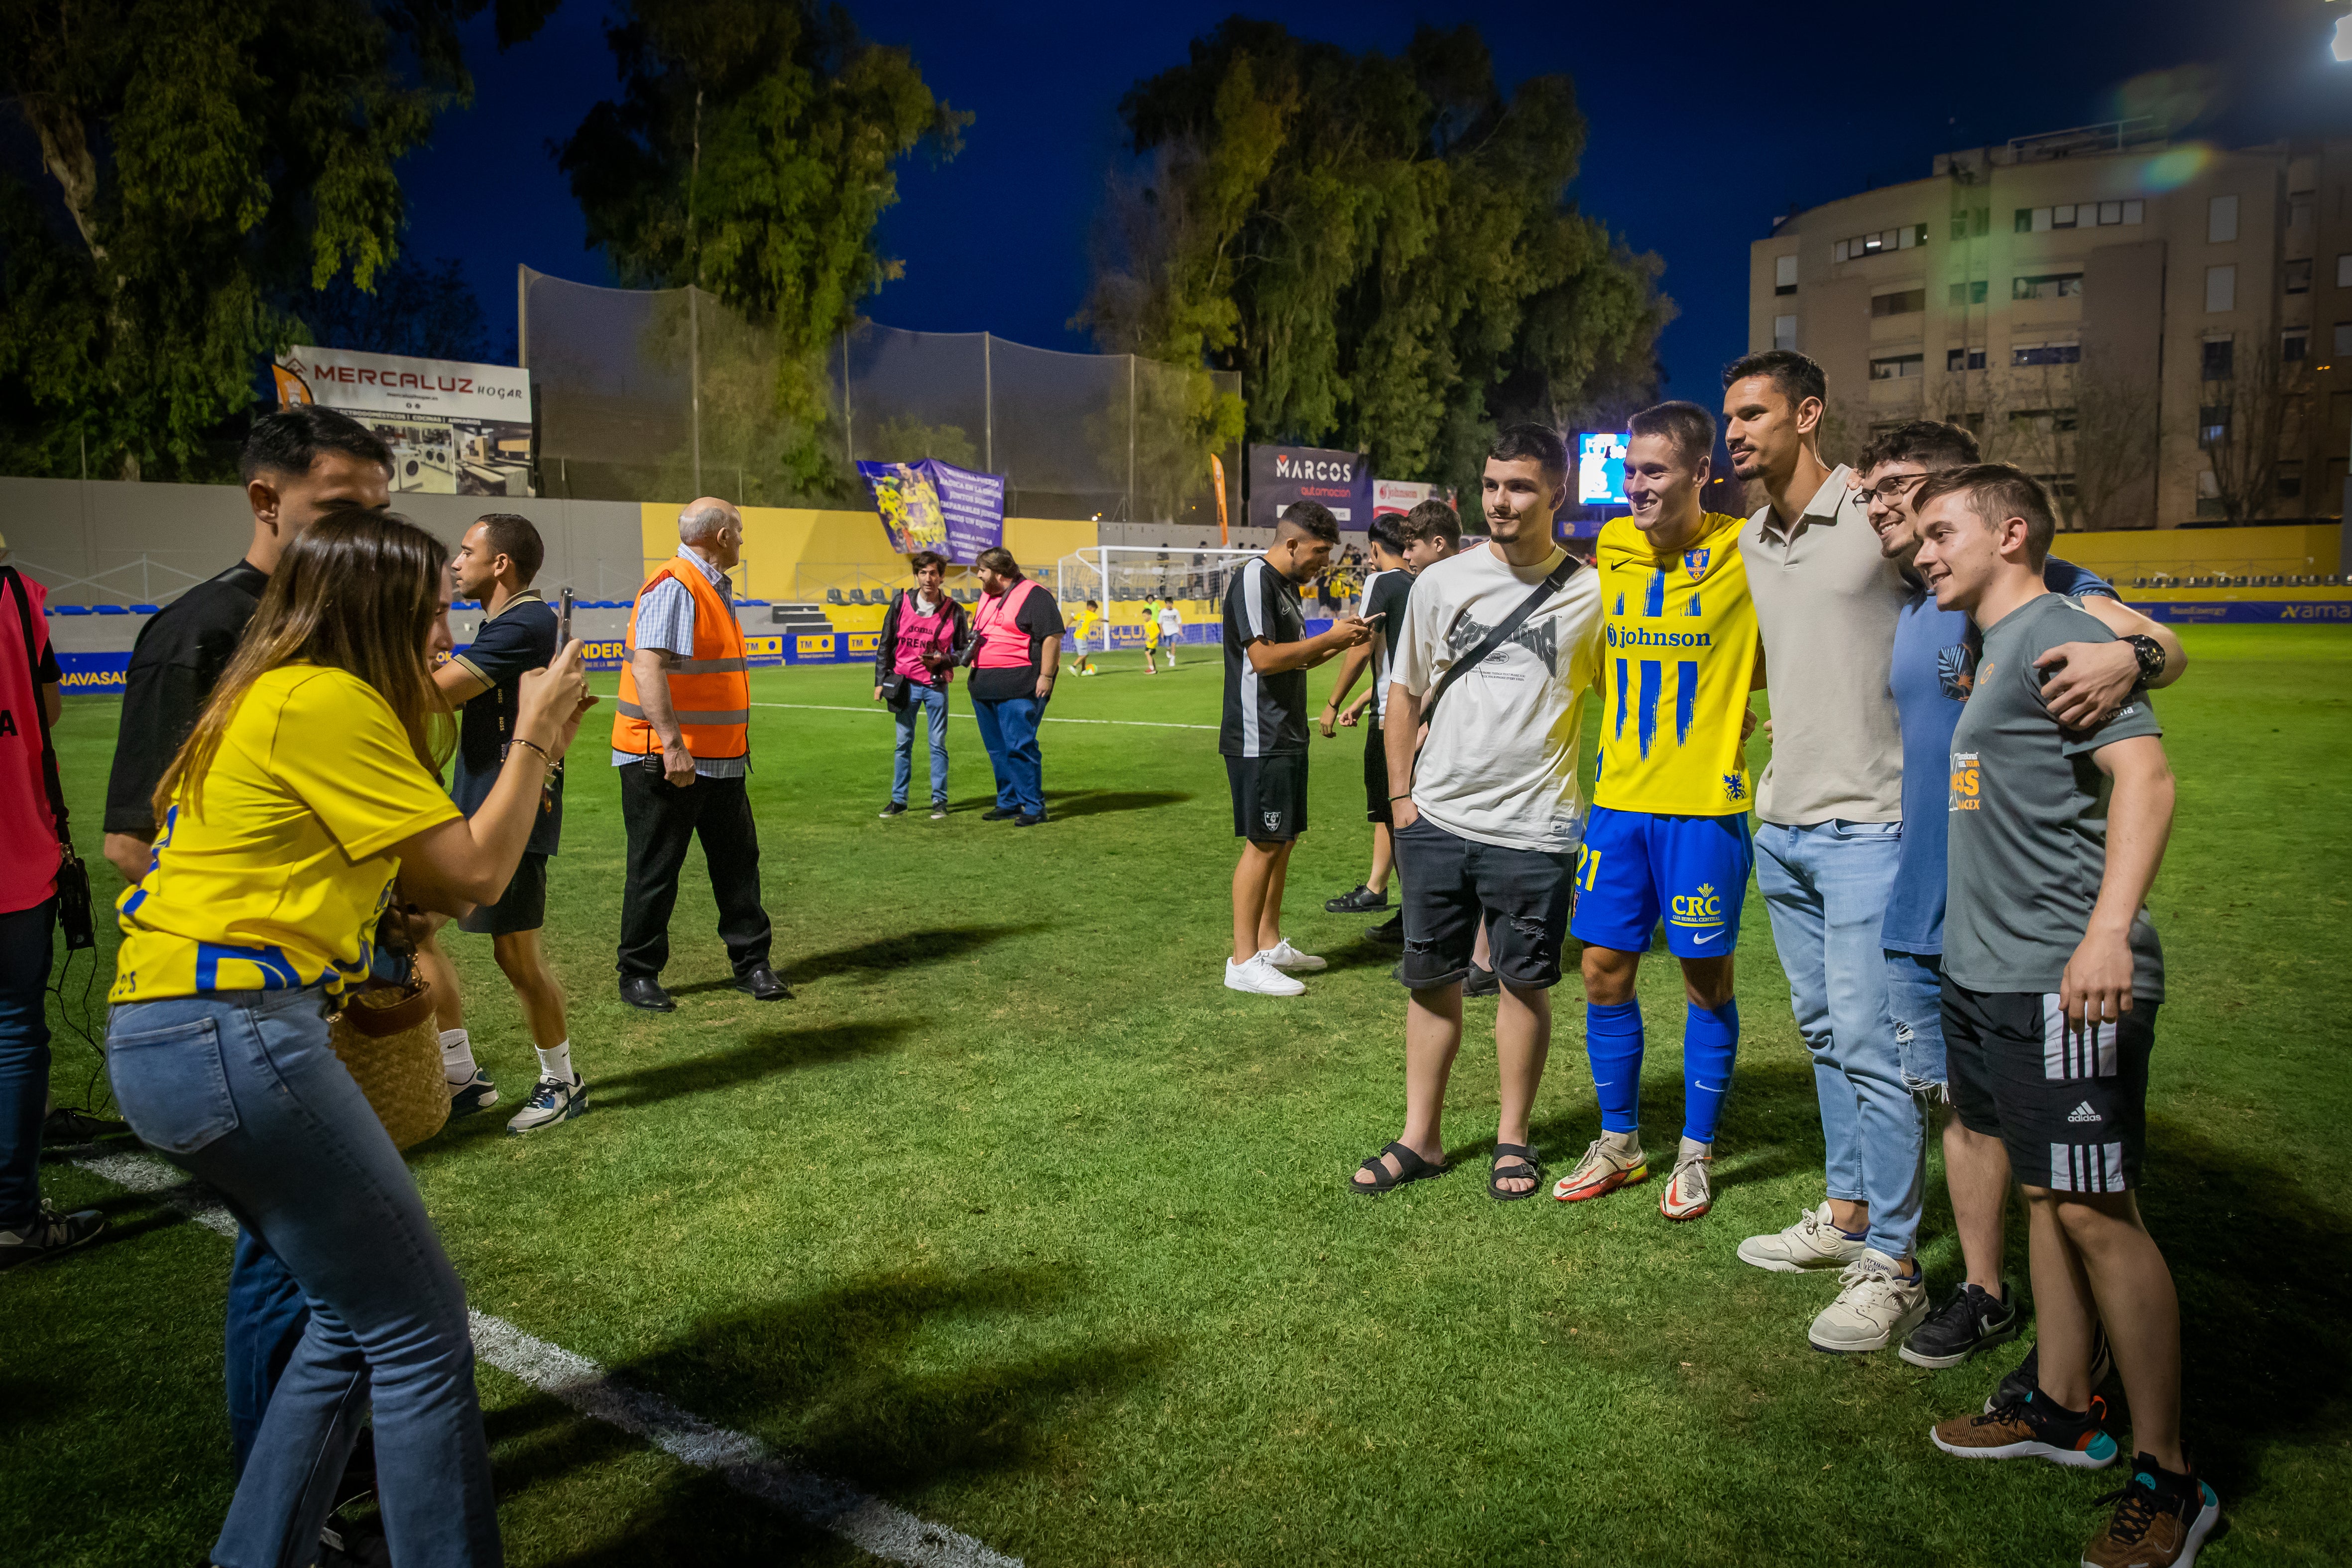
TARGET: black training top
(1265,715)
(520,637)
(174,666)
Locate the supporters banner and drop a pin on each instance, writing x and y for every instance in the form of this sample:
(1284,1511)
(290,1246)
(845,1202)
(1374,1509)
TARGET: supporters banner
(1397,497)
(1281,475)
(936,506)
(454,428)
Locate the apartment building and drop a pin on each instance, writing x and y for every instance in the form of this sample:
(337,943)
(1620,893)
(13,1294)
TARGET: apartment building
(2162,331)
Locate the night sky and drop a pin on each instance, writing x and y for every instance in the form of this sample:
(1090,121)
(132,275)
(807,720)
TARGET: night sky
(1702,129)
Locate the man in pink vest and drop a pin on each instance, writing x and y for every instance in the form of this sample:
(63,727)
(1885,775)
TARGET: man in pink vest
(1016,653)
(914,662)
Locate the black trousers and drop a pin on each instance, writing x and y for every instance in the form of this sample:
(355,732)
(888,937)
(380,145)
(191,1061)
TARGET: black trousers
(661,818)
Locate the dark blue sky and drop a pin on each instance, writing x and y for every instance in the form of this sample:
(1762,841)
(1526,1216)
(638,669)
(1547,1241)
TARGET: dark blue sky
(1707,120)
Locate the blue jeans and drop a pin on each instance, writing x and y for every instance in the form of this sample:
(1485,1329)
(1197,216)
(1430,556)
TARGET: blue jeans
(1009,731)
(241,1091)
(932,700)
(1825,887)
(1914,996)
(26,948)
(267,1316)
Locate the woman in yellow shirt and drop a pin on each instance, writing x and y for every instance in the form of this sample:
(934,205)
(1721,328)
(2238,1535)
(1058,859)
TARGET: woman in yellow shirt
(309,784)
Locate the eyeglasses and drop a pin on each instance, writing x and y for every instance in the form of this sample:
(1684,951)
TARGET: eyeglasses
(1889,491)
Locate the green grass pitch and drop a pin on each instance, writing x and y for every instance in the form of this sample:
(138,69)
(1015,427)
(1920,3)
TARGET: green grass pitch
(1018,1218)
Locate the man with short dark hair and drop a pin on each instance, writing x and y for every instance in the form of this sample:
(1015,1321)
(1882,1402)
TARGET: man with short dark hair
(1016,652)
(495,564)
(1829,811)
(915,653)
(298,465)
(1386,537)
(1263,735)
(2052,980)
(1499,646)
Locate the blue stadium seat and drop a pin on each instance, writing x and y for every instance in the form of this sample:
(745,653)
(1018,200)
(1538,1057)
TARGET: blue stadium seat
(146,609)
(69,609)
(109,609)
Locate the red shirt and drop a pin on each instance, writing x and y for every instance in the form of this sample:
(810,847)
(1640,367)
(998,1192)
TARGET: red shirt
(28,835)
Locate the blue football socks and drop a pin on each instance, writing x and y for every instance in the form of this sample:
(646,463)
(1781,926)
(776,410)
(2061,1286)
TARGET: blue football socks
(1710,1041)
(1613,1039)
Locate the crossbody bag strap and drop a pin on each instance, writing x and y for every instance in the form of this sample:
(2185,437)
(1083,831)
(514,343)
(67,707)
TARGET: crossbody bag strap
(40,708)
(1553,582)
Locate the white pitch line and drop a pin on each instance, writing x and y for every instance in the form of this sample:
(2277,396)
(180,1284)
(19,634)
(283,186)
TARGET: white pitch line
(837,708)
(866,1522)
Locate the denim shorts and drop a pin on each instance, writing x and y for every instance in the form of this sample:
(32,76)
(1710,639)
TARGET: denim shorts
(1450,883)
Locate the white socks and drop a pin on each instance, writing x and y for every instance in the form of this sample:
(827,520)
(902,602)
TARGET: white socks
(557,1064)
(457,1056)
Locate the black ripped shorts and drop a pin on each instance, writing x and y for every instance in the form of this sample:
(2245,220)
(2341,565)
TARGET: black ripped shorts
(1525,894)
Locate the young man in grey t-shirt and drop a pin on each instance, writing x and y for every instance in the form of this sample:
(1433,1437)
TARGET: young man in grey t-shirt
(2052,979)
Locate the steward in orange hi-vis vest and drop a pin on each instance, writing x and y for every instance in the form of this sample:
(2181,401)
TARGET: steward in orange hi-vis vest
(711,693)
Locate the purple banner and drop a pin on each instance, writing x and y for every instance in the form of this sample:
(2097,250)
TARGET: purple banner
(936,506)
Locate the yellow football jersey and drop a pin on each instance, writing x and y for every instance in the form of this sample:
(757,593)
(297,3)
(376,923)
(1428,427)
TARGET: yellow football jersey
(1681,655)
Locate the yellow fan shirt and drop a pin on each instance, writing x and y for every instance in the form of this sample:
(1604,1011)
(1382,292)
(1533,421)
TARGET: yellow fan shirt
(279,880)
(1680,656)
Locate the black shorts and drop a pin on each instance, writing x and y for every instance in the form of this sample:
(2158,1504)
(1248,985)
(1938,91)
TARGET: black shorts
(1376,776)
(1449,882)
(2071,1110)
(522,906)
(1269,796)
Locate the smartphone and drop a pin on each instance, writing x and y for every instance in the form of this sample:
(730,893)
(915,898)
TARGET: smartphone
(563,622)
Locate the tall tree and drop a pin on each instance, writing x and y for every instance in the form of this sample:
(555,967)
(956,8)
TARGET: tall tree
(1383,247)
(197,162)
(751,153)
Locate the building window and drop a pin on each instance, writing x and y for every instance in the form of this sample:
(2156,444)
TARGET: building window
(1964,359)
(2221,220)
(2344,337)
(2212,424)
(1902,303)
(1784,332)
(1969,293)
(2045,353)
(1877,243)
(2220,358)
(2060,486)
(1784,274)
(2294,346)
(1897,366)
(2082,214)
(2298,277)
(2047,286)
(1971,221)
(2290,481)
(2042,421)
(2298,210)
(2344,270)
(2221,289)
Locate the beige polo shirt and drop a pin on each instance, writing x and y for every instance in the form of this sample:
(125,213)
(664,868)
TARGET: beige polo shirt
(1826,602)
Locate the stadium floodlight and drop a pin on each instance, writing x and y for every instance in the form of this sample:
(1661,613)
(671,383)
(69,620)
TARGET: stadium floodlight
(1123,573)
(2342,48)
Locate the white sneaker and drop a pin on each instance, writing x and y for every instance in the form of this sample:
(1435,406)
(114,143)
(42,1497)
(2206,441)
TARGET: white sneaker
(1282,955)
(1689,1192)
(1812,1242)
(1876,1306)
(1262,978)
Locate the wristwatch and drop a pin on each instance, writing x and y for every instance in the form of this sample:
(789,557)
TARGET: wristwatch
(2150,654)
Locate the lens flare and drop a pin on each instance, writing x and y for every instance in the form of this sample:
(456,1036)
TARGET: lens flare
(2175,167)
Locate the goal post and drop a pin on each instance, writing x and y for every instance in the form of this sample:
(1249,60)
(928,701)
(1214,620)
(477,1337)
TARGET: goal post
(1114,575)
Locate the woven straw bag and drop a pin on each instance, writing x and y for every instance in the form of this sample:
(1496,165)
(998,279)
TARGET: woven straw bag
(385,1035)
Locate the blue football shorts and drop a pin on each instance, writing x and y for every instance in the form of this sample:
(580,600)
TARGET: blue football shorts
(1638,867)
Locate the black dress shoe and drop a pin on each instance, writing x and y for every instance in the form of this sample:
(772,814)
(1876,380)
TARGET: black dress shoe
(1029,819)
(998,814)
(763,983)
(1389,932)
(644,991)
(1482,983)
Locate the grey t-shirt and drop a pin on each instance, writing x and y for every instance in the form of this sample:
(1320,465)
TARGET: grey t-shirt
(2029,816)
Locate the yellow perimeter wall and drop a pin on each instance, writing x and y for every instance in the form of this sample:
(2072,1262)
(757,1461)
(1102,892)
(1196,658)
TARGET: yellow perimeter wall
(840,546)
(2290,549)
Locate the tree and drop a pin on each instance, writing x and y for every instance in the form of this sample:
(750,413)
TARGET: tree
(1382,246)
(751,153)
(2088,431)
(198,164)
(2249,409)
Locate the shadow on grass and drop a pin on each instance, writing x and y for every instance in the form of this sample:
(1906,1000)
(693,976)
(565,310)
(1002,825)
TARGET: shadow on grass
(906,951)
(761,1055)
(879,1382)
(1100,803)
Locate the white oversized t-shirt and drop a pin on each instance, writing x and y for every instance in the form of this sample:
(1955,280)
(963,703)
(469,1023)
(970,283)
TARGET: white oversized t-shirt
(1500,764)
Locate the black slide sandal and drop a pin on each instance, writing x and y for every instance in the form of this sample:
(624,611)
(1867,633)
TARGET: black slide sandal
(1411,1167)
(1495,1172)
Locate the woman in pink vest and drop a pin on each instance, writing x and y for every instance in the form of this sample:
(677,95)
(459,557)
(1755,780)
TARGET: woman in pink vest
(914,662)
(1016,653)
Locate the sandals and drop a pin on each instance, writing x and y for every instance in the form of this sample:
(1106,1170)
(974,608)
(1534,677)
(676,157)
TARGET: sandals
(1411,1167)
(1529,1166)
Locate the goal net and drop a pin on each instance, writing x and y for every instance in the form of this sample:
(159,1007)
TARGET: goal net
(1120,576)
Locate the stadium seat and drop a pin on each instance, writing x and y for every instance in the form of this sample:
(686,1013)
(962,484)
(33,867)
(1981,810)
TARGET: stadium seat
(109,609)
(69,609)
(146,609)
(832,596)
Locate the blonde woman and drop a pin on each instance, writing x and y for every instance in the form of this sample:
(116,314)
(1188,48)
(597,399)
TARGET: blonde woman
(309,785)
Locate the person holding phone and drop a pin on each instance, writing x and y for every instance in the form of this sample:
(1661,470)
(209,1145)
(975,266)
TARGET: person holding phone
(914,665)
(309,787)
(496,561)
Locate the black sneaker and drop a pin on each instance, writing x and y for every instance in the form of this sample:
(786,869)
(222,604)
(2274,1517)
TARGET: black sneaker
(2027,1379)
(1389,932)
(998,814)
(1970,1320)
(1029,819)
(1362,901)
(49,1233)
(64,1125)
(895,808)
(1482,983)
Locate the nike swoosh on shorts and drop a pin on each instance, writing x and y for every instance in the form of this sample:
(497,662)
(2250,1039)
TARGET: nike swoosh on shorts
(1708,937)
